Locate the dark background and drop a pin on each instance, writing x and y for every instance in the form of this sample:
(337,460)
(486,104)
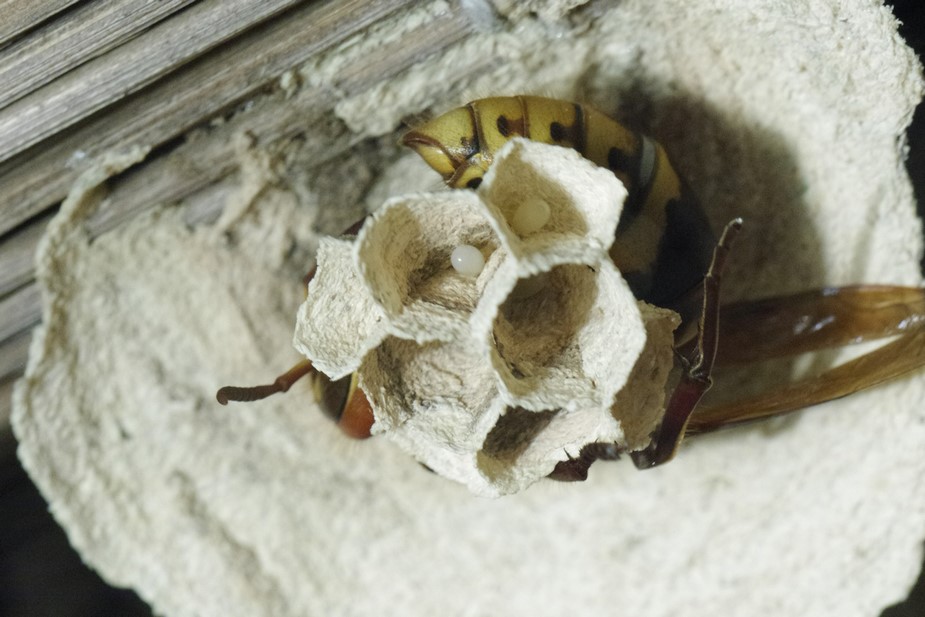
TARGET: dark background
(41,576)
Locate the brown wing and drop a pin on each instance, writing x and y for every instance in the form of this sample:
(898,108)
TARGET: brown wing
(816,319)
(820,319)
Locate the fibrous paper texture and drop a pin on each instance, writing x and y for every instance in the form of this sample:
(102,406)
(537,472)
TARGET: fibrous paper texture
(788,114)
(492,379)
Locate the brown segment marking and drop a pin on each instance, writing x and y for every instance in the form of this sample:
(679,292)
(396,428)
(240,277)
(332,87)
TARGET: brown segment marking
(503,128)
(573,135)
(580,132)
(511,128)
(685,248)
(617,160)
(473,143)
(557,131)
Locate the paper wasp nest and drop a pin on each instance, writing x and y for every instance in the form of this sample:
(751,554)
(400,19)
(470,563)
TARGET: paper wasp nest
(492,373)
(265,509)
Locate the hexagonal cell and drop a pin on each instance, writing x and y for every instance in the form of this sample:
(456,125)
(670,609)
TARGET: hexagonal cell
(439,391)
(640,404)
(405,254)
(549,197)
(337,302)
(566,338)
(525,446)
(511,457)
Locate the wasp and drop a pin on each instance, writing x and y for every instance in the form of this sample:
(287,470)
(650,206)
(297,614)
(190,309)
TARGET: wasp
(669,256)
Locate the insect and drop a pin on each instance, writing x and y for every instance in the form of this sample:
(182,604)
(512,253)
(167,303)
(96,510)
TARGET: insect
(669,256)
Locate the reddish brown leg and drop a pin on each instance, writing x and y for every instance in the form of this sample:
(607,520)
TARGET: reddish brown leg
(576,469)
(255,393)
(695,380)
(297,372)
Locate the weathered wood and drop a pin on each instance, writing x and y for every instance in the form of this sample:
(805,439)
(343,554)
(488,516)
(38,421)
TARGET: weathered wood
(88,31)
(21,310)
(17,256)
(195,166)
(13,354)
(21,15)
(125,70)
(40,177)
(191,167)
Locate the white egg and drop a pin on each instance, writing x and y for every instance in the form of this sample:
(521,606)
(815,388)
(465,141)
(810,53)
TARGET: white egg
(530,216)
(467,260)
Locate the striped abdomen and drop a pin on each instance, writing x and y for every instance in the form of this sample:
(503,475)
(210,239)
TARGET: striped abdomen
(663,243)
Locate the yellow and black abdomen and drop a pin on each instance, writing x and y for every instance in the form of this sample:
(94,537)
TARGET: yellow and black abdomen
(663,243)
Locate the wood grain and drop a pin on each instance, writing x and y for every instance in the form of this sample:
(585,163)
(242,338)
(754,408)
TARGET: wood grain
(190,94)
(80,35)
(195,92)
(193,166)
(137,63)
(17,255)
(13,354)
(21,310)
(21,15)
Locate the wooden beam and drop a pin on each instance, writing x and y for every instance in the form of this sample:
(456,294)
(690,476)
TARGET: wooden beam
(21,311)
(63,44)
(196,92)
(127,69)
(17,256)
(20,16)
(196,166)
(13,355)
